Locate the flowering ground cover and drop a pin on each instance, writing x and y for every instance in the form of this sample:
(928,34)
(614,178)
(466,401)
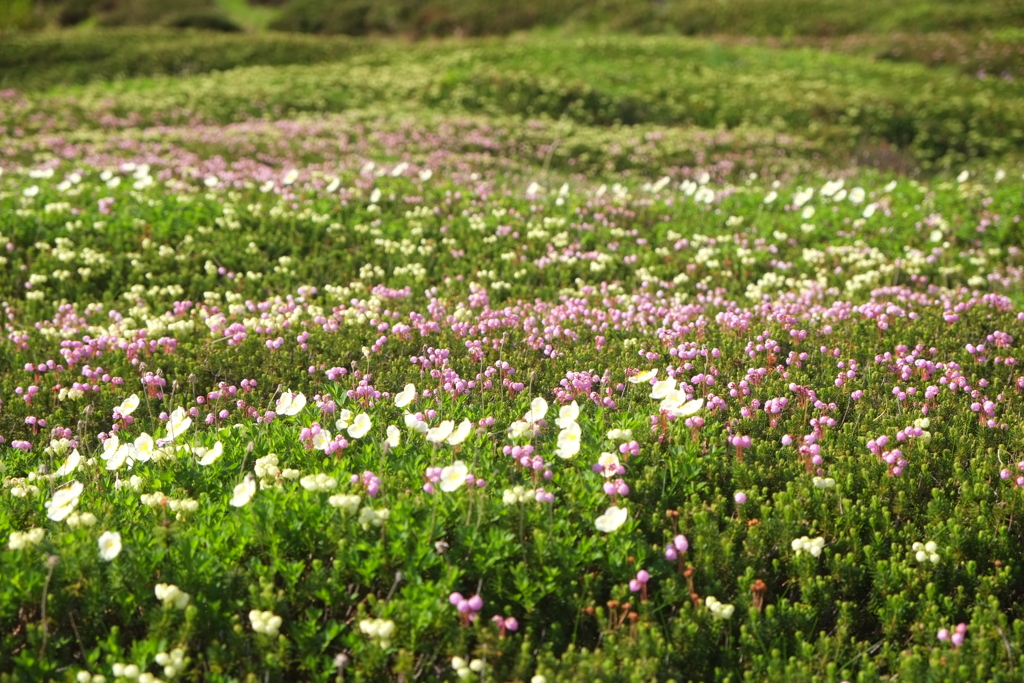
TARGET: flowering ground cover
(381,393)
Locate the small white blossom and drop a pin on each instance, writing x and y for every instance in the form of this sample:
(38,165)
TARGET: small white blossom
(405,396)
(454,476)
(243,492)
(290,404)
(612,518)
(110,545)
(360,426)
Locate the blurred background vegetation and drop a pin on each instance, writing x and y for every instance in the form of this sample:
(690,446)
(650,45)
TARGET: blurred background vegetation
(429,18)
(906,85)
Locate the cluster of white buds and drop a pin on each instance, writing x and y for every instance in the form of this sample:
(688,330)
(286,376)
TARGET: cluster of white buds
(369,517)
(318,482)
(814,546)
(20,540)
(171,595)
(465,670)
(172,662)
(718,609)
(265,622)
(347,503)
(926,552)
(380,630)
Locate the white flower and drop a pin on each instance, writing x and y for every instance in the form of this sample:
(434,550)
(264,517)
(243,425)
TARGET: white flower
(70,465)
(567,415)
(415,424)
(662,388)
(265,622)
(520,428)
(321,440)
(964,175)
(644,377)
(453,476)
(208,456)
(569,441)
(460,434)
(405,396)
(290,404)
(612,519)
(823,482)
(831,187)
(344,419)
(869,210)
(803,196)
(244,492)
(128,406)
(440,432)
(360,426)
(394,437)
(116,458)
(771,197)
(704,195)
(538,409)
(686,409)
(610,463)
(857,195)
(178,423)
(64,501)
(144,447)
(110,545)
(110,446)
